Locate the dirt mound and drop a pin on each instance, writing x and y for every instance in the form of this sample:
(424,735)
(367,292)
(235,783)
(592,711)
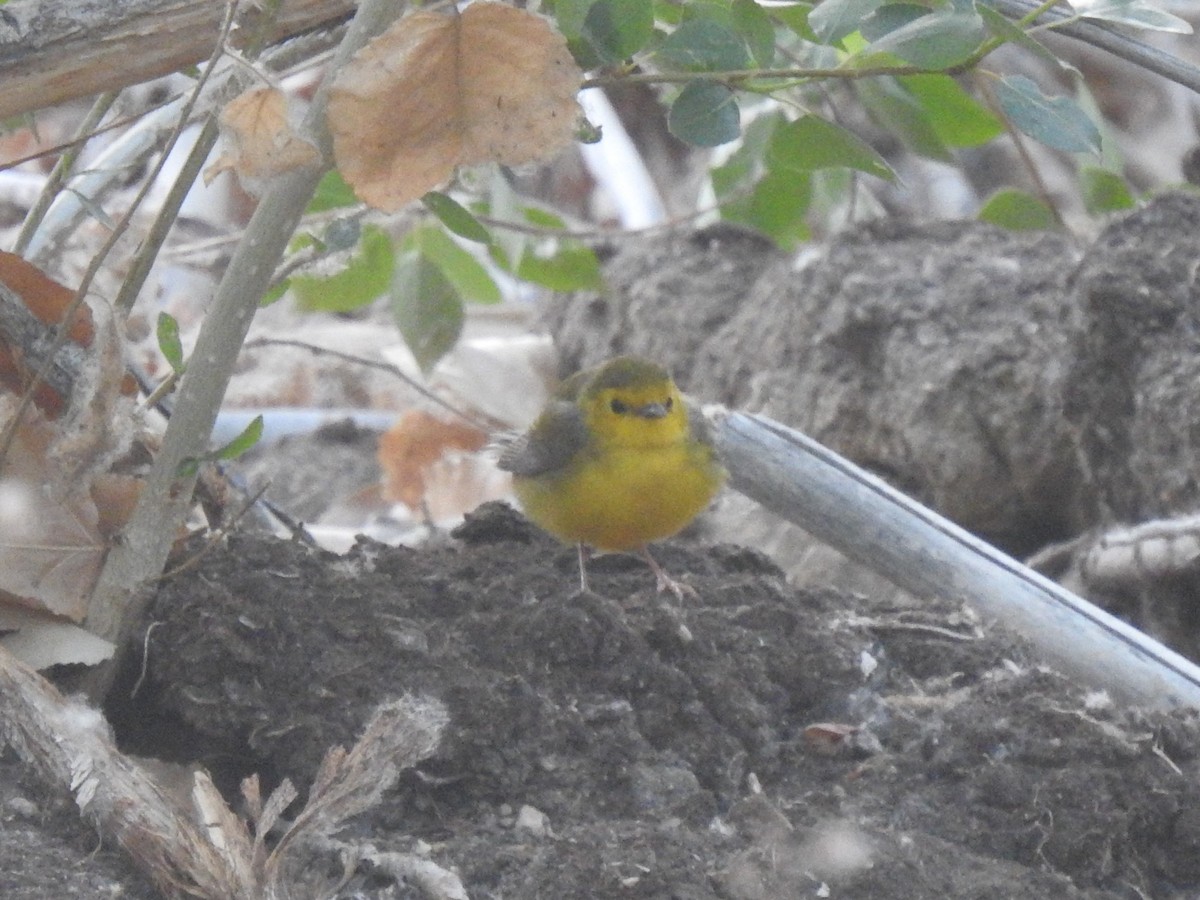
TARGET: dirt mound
(673,751)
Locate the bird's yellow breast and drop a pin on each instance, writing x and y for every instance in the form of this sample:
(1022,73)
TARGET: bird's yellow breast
(615,460)
(621,497)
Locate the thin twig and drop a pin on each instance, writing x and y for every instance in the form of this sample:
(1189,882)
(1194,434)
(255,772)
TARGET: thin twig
(167,215)
(215,537)
(370,364)
(1109,38)
(137,685)
(97,262)
(1022,149)
(58,175)
(83,137)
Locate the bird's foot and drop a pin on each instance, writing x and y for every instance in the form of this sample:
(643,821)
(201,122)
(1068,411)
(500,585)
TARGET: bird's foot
(665,582)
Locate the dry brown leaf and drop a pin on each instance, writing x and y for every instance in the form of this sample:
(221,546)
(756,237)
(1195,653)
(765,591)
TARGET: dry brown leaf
(115,497)
(51,549)
(44,297)
(828,738)
(433,92)
(409,448)
(261,141)
(47,300)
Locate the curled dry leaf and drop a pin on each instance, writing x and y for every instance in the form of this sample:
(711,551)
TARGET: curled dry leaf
(433,92)
(410,447)
(259,132)
(115,497)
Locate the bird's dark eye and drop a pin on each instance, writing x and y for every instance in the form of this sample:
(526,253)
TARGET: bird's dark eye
(620,407)
(670,403)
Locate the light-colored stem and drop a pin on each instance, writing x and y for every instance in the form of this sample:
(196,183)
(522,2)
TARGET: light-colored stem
(165,220)
(138,557)
(864,518)
(70,746)
(53,51)
(62,168)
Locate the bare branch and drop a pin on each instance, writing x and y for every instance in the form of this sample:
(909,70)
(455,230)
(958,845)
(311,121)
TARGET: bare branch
(51,51)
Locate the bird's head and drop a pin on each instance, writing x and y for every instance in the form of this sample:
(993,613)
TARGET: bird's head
(631,402)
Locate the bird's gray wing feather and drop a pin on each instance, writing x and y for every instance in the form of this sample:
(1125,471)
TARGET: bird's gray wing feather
(553,441)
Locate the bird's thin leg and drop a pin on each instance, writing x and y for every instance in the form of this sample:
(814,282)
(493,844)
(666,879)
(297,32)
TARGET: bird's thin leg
(583,558)
(664,581)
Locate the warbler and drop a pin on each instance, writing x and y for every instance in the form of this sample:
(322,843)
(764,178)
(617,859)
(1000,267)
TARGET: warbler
(618,458)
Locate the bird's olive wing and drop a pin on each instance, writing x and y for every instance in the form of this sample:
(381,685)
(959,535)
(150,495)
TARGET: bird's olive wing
(557,435)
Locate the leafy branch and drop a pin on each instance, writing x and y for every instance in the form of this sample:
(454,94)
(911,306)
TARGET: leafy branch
(121,592)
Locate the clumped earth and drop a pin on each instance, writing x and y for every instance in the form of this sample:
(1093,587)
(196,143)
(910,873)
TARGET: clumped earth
(762,740)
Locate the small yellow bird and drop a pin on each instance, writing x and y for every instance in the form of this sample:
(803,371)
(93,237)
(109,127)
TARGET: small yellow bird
(617,458)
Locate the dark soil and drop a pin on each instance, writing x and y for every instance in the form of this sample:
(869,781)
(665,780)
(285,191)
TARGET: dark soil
(760,741)
(670,747)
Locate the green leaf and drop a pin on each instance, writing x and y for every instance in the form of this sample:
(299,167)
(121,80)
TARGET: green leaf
(898,112)
(745,165)
(1011,33)
(1104,191)
(542,218)
(935,41)
(888,18)
(794,17)
(704,114)
(426,308)
(1135,13)
(250,436)
(470,279)
(1057,122)
(570,16)
(779,205)
(1017,211)
(332,193)
(813,143)
(274,293)
(956,117)
(754,25)
(832,20)
(617,29)
(573,267)
(703,45)
(168,341)
(668,12)
(365,278)
(456,217)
